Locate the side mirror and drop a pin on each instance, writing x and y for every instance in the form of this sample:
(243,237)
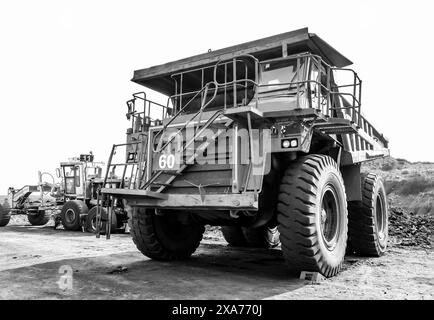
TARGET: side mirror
(58,172)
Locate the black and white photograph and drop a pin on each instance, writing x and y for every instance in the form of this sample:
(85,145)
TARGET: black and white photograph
(216,154)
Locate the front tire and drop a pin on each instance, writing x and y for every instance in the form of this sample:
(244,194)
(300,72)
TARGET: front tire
(90,224)
(39,219)
(5,215)
(312,215)
(368,219)
(71,213)
(163,237)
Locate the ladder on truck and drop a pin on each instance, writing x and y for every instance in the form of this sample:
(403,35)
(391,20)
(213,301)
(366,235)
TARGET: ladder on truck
(137,163)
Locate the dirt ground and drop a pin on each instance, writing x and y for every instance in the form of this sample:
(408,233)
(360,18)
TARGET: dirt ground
(33,262)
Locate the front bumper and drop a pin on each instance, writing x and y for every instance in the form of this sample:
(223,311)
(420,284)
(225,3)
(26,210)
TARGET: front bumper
(144,198)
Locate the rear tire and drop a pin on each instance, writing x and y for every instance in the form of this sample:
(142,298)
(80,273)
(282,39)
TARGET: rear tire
(234,236)
(164,237)
(90,225)
(368,219)
(5,215)
(70,214)
(312,215)
(39,219)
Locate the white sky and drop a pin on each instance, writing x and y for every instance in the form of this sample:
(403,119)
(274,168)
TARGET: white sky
(65,66)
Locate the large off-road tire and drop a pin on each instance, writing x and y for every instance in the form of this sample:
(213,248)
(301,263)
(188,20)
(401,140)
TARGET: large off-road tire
(312,215)
(163,237)
(5,215)
(39,219)
(70,214)
(234,236)
(368,219)
(90,224)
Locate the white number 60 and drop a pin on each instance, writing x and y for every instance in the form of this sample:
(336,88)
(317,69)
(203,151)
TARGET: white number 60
(166,161)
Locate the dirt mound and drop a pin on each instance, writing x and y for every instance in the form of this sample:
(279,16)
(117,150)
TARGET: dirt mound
(410,229)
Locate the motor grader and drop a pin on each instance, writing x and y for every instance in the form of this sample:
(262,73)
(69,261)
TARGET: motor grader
(263,139)
(38,202)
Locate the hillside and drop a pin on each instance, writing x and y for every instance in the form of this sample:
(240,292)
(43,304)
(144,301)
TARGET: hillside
(410,191)
(409,186)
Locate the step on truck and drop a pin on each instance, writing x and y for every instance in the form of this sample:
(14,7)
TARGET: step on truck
(264,139)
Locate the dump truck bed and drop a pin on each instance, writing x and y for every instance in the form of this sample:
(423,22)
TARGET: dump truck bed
(159,77)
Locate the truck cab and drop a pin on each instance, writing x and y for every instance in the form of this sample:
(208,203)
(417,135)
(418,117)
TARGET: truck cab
(78,177)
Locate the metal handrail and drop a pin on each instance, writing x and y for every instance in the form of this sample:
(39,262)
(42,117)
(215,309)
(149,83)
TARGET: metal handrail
(239,82)
(243,82)
(114,147)
(176,115)
(189,121)
(217,86)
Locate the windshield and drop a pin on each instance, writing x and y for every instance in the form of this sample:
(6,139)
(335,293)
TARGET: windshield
(275,74)
(72,178)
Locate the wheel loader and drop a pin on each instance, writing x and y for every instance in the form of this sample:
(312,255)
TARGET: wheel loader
(264,139)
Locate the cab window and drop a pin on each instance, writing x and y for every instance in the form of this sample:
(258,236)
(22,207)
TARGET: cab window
(72,172)
(279,75)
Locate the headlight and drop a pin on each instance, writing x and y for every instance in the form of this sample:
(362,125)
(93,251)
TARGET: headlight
(289,143)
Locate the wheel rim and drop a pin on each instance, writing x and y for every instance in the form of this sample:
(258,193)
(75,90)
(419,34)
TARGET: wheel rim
(329,217)
(93,224)
(102,223)
(380,217)
(70,216)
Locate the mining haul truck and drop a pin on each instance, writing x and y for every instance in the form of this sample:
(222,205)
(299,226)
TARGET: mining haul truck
(263,139)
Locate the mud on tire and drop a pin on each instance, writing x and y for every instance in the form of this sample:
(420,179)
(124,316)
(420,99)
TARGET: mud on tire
(164,237)
(368,219)
(70,214)
(312,215)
